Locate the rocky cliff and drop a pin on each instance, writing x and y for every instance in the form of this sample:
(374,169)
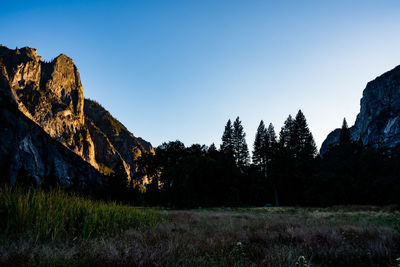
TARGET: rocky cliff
(50,94)
(27,150)
(378,122)
(116,141)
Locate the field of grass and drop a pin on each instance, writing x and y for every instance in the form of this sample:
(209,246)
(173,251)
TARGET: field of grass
(60,229)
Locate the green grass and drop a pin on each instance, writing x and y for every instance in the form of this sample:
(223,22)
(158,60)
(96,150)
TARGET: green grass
(62,229)
(57,214)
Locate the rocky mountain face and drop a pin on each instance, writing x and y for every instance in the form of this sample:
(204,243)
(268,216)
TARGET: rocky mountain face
(50,94)
(26,149)
(113,140)
(378,122)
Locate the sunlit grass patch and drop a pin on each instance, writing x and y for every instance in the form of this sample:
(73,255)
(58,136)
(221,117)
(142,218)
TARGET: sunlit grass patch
(57,214)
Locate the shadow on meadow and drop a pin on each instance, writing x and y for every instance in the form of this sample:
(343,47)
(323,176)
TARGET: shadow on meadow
(56,228)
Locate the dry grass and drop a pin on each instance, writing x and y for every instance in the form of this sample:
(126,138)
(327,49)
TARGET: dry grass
(213,237)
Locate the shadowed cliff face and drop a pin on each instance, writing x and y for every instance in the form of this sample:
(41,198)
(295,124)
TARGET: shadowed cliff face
(114,138)
(379,119)
(51,95)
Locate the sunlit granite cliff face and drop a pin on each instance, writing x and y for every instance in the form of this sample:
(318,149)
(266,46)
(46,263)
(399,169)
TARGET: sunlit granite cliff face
(50,94)
(113,140)
(379,119)
(27,149)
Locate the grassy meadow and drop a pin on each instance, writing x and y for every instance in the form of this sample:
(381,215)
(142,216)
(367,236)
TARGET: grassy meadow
(61,229)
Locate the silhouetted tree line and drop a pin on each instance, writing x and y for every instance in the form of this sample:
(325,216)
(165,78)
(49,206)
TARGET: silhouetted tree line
(352,173)
(285,170)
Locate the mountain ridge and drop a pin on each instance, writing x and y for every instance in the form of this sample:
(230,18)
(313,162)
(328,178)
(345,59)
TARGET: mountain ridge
(51,95)
(378,122)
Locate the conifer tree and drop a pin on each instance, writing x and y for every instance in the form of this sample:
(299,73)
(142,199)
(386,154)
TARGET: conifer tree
(344,133)
(269,145)
(286,133)
(227,139)
(302,139)
(117,182)
(212,148)
(271,134)
(240,149)
(264,146)
(258,147)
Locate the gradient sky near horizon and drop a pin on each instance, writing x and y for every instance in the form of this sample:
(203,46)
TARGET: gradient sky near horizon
(173,70)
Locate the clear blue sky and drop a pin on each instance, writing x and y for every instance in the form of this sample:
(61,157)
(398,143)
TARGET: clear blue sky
(180,69)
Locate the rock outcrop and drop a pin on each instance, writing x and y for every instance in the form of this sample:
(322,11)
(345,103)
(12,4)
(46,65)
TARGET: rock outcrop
(50,95)
(114,140)
(27,150)
(378,122)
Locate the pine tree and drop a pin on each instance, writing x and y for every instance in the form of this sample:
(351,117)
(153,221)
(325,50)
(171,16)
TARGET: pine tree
(271,134)
(212,148)
(227,139)
(302,139)
(269,145)
(240,149)
(264,146)
(344,133)
(258,147)
(118,182)
(286,133)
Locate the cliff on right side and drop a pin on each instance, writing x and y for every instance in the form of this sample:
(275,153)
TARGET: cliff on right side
(378,122)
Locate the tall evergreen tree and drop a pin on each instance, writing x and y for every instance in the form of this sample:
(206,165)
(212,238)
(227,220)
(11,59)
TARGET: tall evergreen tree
(286,133)
(296,147)
(269,145)
(240,149)
(344,133)
(302,139)
(258,146)
(271,134)
(212,148)
(227,138)
(116,183)
(268,148)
